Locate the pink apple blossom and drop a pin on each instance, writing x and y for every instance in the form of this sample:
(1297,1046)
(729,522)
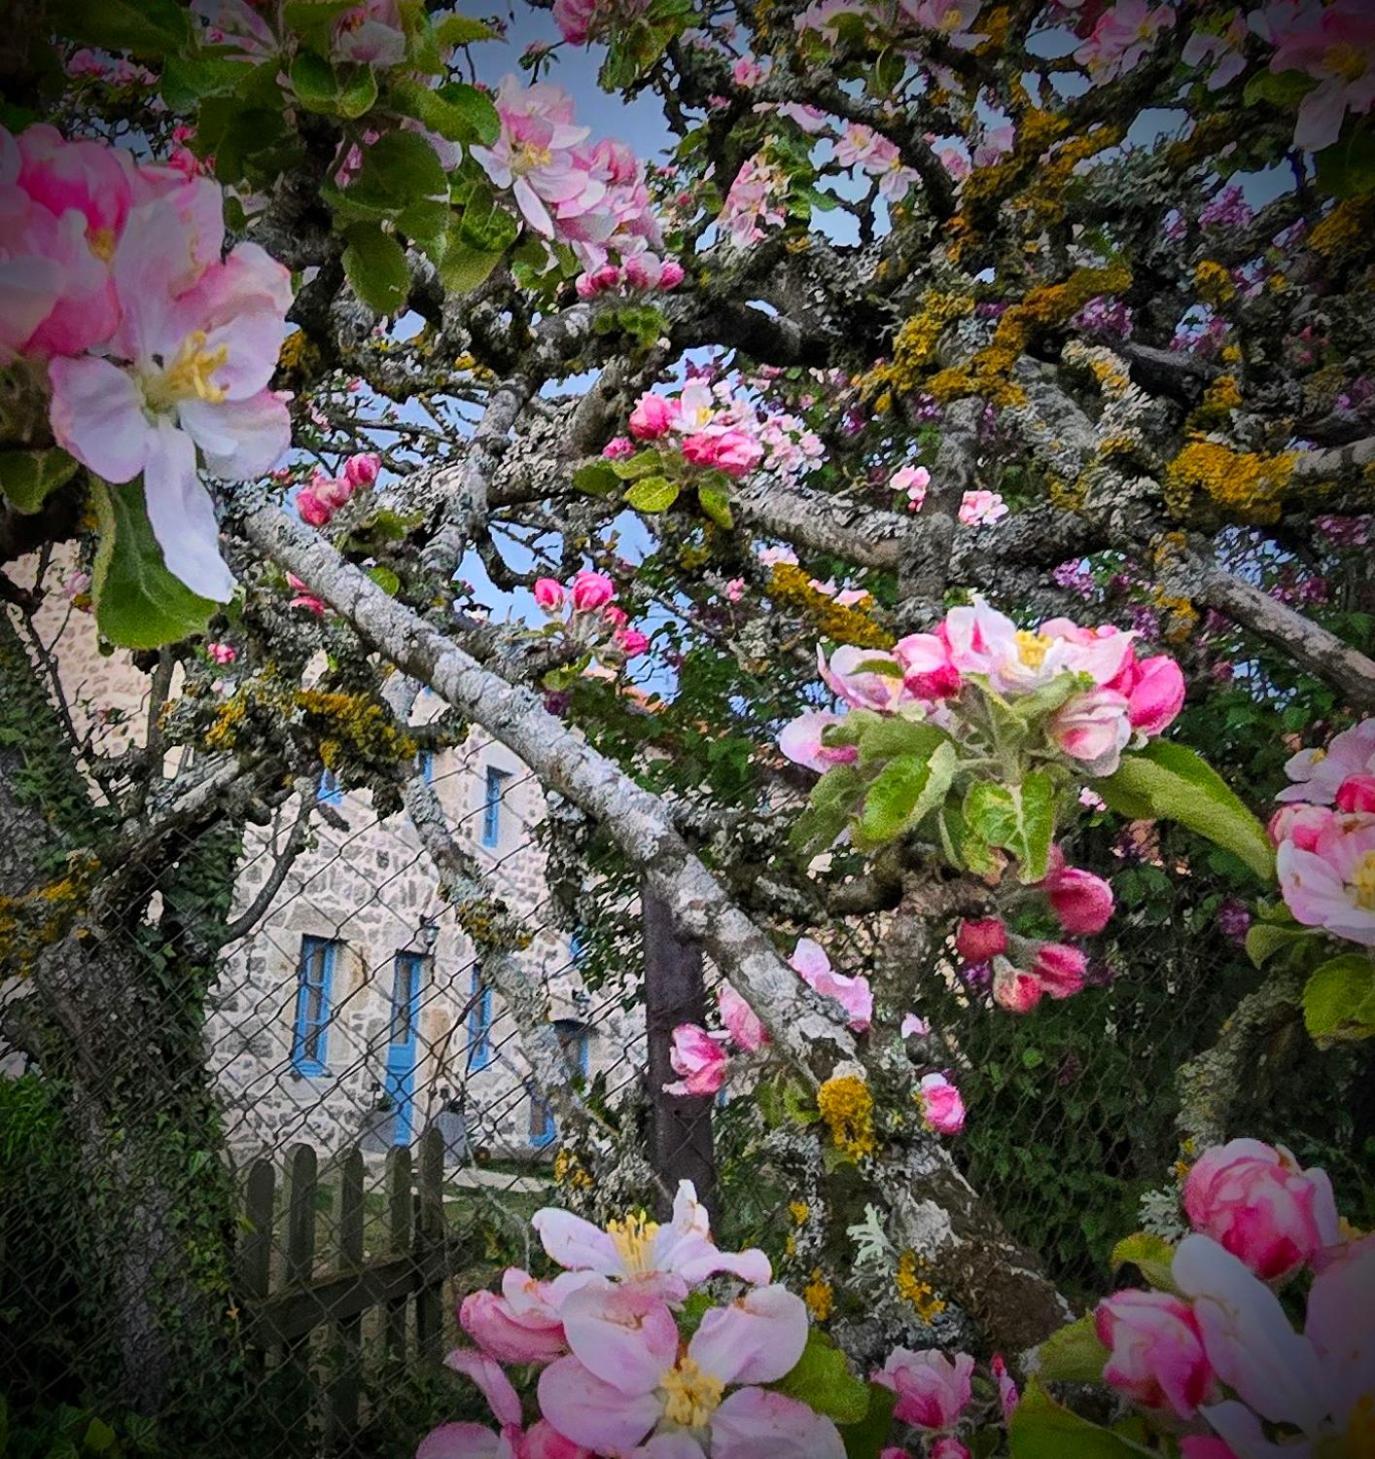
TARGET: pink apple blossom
(913,480)
(801,742)
(1015,989)
(522,1325)
(1080,900)
(1060,969)
(927,670)
(1301,824)
(1008,1397)
(653,416)
(1157,1357)
(188,369)
(1318,773)
(982,508)
(913,1026)
(1221,50)
(312,511)
(699,1059)
(1255,1201)
(862,678)
(977,941)
(1332,885)
(1356,793)
(221,653)
(590,590)
(371,33)
(933,1390)
(1094,728)
(942,1108)
(1123,35)
(631,642)
(742,1022)
(362,470)
(575,19)
(1335,45)
(549,595)
(630,1377)
(618,447)
(950,1448)
(1156,695)
(853,994)
(952,20)
(666,1260)
(304,597)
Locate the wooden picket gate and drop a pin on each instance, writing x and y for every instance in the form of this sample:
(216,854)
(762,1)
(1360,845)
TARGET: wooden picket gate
(284,1299)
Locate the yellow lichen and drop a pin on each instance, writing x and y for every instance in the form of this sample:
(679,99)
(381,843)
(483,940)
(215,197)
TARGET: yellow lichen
(1213,281)
(914,1289)
(818,1296)
(847,1110)
(799,1211)
(792,588)
(1247,485)
(570,1171)
(1346,229)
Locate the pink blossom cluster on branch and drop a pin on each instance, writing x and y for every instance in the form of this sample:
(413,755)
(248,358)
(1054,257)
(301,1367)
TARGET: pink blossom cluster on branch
(583,609)
(324,495)
(1216,1353)
(617,1374)
(156,349)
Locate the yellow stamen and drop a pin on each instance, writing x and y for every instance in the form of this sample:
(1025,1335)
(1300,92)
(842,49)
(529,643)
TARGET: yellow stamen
(101,242)
(1360,1428)
(1032,648)
(189,376)
(528,156)
(634,1238)
(1364,882)
(690,1395)
(1346,61)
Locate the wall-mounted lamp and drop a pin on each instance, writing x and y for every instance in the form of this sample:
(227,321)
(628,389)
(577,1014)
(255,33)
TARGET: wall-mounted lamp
(582,999)
(427,934)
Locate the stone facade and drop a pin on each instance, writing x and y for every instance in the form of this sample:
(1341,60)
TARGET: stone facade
(367,889)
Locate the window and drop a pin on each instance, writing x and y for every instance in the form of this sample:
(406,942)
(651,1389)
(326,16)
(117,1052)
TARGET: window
(543,1127)
(480,1025)
(409,973)
(331,792)
(491,805)
(313,978)
(425,764)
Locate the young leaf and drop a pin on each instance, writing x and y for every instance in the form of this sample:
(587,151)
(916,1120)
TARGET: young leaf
(597,478)
(28,478)
(822,1380)
(376,267)
(465,268)
(653,494)
(885,735)
(869,1437)
(1019,818)
(460,30)
(715,502)
(906,790)
(1043,1429)
(1175,783)
(1072,1355)
(1152,1256)
(313,81)
(138,603)
(827,811)
(1339,1000)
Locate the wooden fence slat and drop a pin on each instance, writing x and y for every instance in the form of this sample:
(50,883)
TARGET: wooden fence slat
(401,1222)
(429,1238)
(341,1420)
(298,1266)
(255,1250)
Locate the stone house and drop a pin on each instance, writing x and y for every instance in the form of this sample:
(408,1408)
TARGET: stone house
(354,1010)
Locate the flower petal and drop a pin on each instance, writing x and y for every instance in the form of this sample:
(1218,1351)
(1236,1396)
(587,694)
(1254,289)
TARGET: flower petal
(182,514)
(587,1411)
(757,1339)
(97,415)
(491,1378)
(241,439)
(460,1441)
(754,1423)
(623,1335)
(575,1243)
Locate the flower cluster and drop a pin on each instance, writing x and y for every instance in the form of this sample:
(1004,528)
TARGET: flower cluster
(977,508)
(616,1371)
(714,426)
(1324,835)
(154,347)
(584,611)
(318,501)
(591,197)
(1217,1354)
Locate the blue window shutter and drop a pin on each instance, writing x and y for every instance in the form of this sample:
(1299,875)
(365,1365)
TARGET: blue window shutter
(331,792)
(427,766)
(315,974)
(480,1025)
(491,805)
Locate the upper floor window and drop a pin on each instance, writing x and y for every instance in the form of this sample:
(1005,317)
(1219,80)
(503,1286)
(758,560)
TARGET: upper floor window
(480,1024)
(493,791)
(331,792)
(424,762)
(314,975)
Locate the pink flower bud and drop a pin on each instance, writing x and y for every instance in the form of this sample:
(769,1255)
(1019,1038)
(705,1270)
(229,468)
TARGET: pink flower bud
(642,271)
(549,595)
(1008,1397)
(221,653)
(586,287)
(591,590)
(950,1448)
(699,1060)
(1356,793)
(1060,969)
(362,470)
(1300,823)
(927,671)
(1015,989)
(312,511)
(1157,696)
(618,447)
(1082,901)
(616,616)
(976,942)
(1157,1357)
(1093,727)
(942,1109)
(631,642)
(742,1022)
(671,275)
(1255,1201)
(652,417)
(933,1390)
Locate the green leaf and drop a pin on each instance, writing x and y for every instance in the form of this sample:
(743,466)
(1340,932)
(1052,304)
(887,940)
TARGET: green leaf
(1019,818)
(313,81)
(357,93)
(485,224)
(399,170)
(375,264)
(1339,1000)
(906,790)
(1175,783)
(1151,1255)
(1346,169)
(138,603)
(465,268)
(597,478)
(385,579)
(827,811)
(1284,89)
(653,494)
(459,112)
(642,463)
(869,1437)
(313,16)
(1072,1355)
(99,1436)
(188,80)
(884,735)
(28,478)
(823,1381)
(1043,1429)
(461,30)
(715,502)
(147,28)
(1265,940)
